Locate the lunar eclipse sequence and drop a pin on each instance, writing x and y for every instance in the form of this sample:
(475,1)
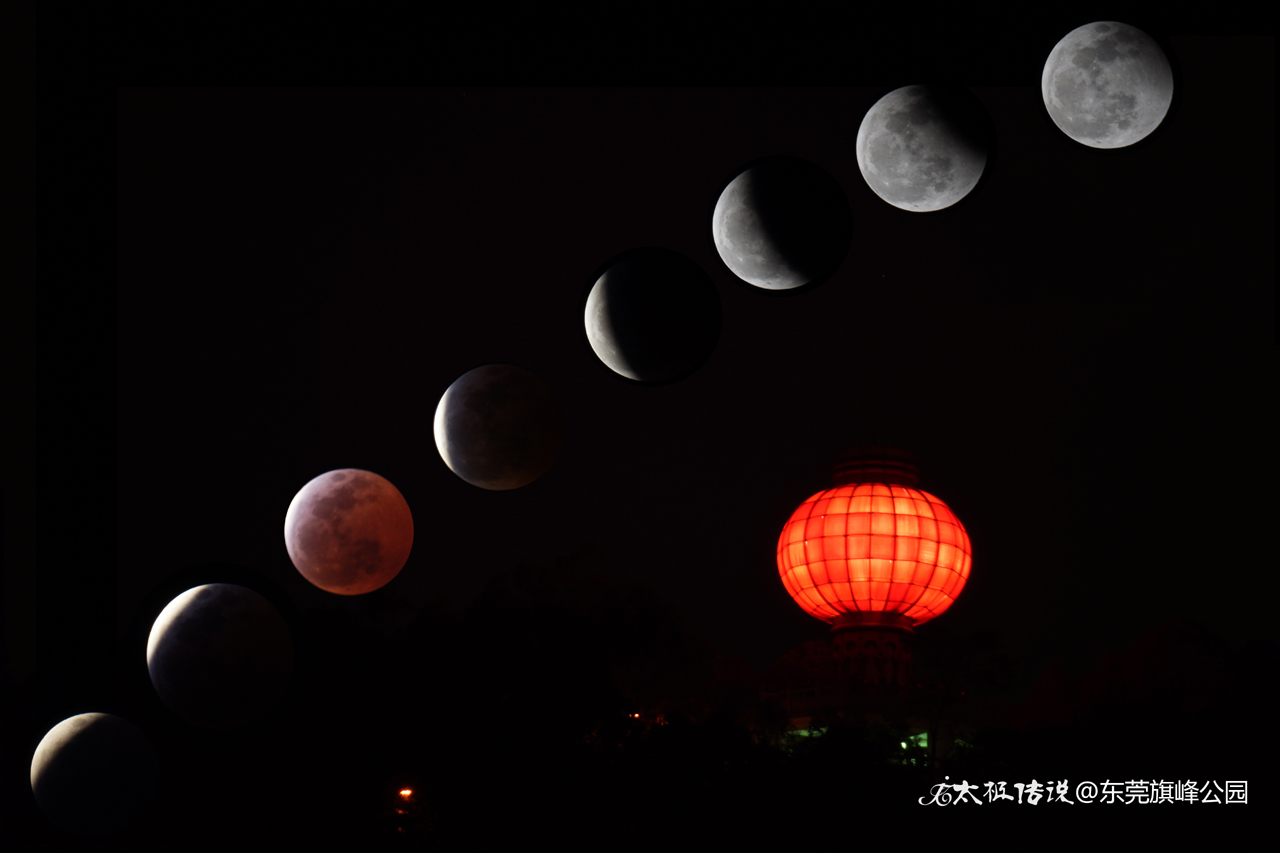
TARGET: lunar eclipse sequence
(220,655)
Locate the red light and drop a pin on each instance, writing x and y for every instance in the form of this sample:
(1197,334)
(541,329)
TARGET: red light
(406,793)
(874,547)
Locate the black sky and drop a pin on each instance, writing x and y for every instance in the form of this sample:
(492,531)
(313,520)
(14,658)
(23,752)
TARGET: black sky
(1070,351)
(1082,353)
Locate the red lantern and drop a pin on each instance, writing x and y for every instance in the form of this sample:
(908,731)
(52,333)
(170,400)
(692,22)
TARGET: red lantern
(874,550)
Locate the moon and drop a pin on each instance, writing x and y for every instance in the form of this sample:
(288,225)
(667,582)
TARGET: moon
(923,148)
(654,316)
(498,427)
(1107,85)
(349,531)
(219,655)
(781,224)
(94,773)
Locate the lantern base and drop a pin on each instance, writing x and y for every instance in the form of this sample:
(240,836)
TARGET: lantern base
(873,648)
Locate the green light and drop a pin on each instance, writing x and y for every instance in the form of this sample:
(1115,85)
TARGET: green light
(809,732)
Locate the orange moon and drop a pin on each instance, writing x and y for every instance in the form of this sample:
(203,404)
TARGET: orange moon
(349,531)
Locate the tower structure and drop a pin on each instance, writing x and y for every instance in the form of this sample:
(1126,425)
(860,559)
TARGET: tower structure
(874,556)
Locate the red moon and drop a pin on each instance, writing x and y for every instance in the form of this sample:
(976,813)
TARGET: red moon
(349,531)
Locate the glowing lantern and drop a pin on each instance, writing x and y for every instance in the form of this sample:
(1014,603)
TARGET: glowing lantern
(874,555)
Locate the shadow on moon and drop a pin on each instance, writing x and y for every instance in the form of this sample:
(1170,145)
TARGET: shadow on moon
(220,656)
(925,148)
(349,531)
(94,773)
(132,653)
(651,316)
(498,426)
(781,225)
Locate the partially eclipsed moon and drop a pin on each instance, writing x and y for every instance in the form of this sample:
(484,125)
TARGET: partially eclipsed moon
(1107,84)
(498,427)
(923,148)
(653,317)
(781,224)
(93,773)
(219,655)
(349,531)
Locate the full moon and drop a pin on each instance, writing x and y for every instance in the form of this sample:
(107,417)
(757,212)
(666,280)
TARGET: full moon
(923,148)
(349,531)
(498,427)
(653,317)
(93,773)
(219,655)
(781,224)
(1107,85)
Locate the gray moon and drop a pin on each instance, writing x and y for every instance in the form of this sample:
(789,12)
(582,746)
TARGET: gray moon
(923,148)
(1107,85)
(781,224)
(654,317)
(94,773)
(349,531)
(219,655)
(498,427)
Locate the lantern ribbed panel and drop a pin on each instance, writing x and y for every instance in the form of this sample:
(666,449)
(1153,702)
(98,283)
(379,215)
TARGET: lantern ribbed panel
(874,547)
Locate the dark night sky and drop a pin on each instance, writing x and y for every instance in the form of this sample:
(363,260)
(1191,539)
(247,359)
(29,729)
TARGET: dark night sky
(1082,353)
(1073,352)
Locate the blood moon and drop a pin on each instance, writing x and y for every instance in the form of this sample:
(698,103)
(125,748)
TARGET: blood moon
(349,531)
